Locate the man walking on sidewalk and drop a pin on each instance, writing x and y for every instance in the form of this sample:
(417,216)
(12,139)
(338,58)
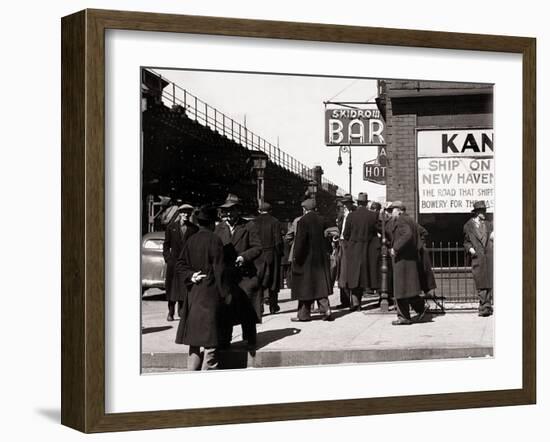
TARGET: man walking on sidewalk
(405,263)
(310,266)
(478,244)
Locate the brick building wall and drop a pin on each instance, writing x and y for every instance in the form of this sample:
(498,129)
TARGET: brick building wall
(408,106)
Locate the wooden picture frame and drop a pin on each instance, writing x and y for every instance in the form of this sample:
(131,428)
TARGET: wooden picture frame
(83,216)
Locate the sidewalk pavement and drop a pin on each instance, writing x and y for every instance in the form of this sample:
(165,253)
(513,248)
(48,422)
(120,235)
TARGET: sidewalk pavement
(365,336)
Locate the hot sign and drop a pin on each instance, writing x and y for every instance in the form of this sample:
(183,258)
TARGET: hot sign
(375,173)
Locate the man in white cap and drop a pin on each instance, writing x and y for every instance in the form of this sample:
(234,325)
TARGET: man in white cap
(478,244)
(176,235)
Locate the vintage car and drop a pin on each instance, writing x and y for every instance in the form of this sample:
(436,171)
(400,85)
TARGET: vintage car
(153,267)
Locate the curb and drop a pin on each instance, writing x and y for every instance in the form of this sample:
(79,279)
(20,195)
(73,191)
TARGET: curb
(239,358)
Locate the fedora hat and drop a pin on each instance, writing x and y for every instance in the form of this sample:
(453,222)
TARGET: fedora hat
(362,198)
(230,201)
(478,206)
(264,207)
(309,204)
(208,214)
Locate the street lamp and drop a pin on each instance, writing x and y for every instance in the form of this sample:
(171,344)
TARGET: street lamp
(259,164)
(345,149)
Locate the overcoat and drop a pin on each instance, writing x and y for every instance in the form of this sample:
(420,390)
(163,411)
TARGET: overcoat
(361,227)
(341,263)
(375,261)
(199,323)
(291,236)
(269,262)
(245,242)
(406,262)
(310,265)
(427,278)
(174,241)
(482,261)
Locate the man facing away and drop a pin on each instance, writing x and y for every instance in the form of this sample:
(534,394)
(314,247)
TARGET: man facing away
(310,266)
(404,251)
(269,262)
(201,266)
(176,235)
(478,244)
(360,228)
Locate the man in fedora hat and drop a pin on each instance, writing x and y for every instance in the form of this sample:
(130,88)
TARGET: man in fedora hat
(478,244)
(269,262)
(359,230)
(201,266)
(242,247)
(176,235)
(310,266)
(404,250)
(341,263)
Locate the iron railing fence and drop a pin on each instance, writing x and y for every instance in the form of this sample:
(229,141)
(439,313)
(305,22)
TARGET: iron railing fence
(453,273)
(208,116)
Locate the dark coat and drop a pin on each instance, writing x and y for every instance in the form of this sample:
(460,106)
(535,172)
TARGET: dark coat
(482,261)
(269,262)
(244,242)
(199,323)
(172,247)
(310,266)
(341,263)
(404,241)
(427,277)
(361,227)
(375,261)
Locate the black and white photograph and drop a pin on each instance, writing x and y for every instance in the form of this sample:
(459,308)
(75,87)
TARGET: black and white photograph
(306,220)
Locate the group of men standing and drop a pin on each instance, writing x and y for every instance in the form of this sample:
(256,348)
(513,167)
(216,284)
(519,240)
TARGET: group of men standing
(358,245)
(221,273)
(224,271)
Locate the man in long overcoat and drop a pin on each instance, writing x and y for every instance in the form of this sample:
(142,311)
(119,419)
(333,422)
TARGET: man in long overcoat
(405,260)
(360,228)
(269,262)
(478,244)
(176,235)
(242,247)
(310,266)
(375,250)
(342,267)
(201,266)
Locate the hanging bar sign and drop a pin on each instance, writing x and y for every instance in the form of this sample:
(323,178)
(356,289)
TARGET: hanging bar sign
(354,127)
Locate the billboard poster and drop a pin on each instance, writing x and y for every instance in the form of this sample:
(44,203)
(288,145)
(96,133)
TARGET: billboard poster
(455,169)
